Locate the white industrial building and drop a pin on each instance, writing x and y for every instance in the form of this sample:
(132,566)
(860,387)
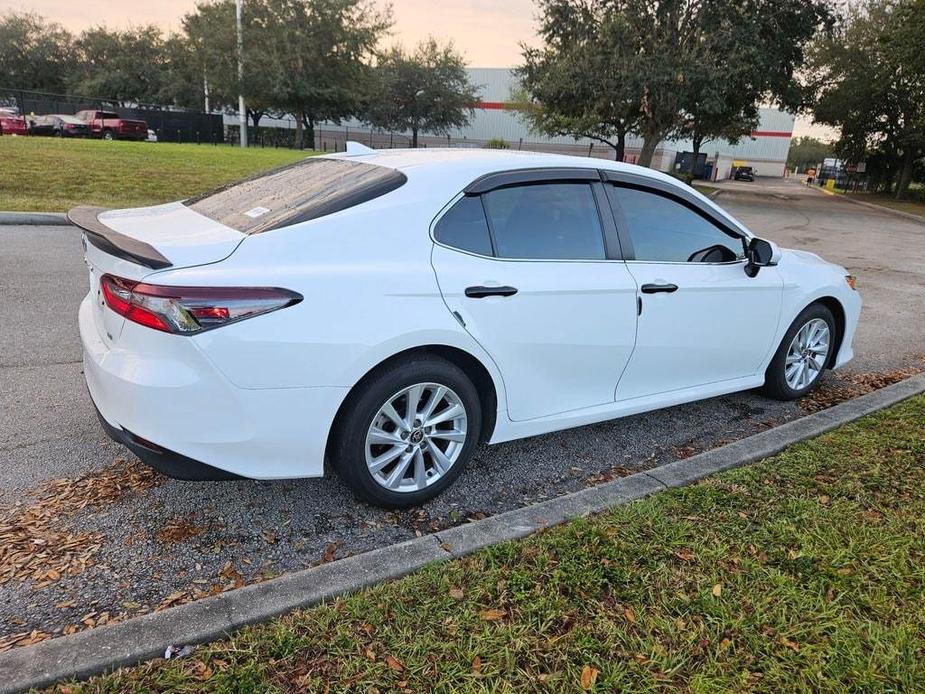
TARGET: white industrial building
(494,118)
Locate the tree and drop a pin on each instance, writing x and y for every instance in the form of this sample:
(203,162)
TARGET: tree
(210,31)
(807,152)
(34,53)
(682,67)
(871,85)
(427,90)
(326,47)
(579,83)
(123,65)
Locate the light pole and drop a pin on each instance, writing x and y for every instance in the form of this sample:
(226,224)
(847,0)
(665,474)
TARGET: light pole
(242,112)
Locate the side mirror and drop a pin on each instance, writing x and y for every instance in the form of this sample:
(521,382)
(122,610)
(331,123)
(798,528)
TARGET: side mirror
(760,253)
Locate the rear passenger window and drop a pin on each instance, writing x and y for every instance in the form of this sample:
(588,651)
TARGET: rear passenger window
(549,221)
(464,227)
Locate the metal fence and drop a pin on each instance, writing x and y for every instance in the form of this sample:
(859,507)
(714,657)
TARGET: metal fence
(189,126)
(170,124)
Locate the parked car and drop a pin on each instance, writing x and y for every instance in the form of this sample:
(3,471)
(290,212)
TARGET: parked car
(58,125)
(11,123)
(391,310)
(744,173)
(109,126)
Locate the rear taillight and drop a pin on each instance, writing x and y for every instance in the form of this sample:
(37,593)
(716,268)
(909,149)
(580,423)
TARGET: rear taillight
(188,310)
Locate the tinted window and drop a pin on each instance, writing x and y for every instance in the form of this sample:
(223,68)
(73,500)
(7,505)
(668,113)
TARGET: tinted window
(662,229)
(296,193)
(548,220)
(464,227)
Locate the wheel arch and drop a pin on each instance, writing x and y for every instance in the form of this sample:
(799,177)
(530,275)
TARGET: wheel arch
(471,365)
(838,313)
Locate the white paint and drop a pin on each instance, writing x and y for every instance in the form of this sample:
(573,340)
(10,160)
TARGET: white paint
(258,397)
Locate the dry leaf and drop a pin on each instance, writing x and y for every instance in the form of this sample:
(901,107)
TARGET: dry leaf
(476,664)
(630,615)
(491,615)
(394,664)
(824,499)
(588,677)
(717,590)
(330,553)
(457,593)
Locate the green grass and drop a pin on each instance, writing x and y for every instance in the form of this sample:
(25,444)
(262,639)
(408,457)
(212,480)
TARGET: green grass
(52,175)
(910,206)
(704,189)
(805,572)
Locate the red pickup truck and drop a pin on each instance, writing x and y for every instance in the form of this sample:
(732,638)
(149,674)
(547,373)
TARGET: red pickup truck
(110,126)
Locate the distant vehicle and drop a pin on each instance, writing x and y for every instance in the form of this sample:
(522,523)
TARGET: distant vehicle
(109,126)
(58,125)
(390,310)
(152,136)
(744,173)
(11,123)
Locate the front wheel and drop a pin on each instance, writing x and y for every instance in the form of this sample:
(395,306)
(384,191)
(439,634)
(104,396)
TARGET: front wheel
(407,432)
(108,135)
(803,355)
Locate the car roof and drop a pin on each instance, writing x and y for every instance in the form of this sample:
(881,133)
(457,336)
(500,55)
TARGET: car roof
(452,169)
(470,163)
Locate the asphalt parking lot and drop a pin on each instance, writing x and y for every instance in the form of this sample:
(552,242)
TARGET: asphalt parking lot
(165,540)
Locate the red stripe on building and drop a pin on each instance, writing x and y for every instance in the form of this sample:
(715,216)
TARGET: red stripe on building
(493,105)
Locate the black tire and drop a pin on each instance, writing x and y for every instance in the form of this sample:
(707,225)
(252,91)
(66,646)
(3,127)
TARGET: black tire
(775,380)
(348,442)
(109,135)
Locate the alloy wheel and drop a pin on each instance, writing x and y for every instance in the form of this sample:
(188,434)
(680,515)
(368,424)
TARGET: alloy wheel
(807,354)
(416,437)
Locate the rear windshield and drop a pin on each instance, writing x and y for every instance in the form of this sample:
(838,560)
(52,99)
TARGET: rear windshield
(296,193)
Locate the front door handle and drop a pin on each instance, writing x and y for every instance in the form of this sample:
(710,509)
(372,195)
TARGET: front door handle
(659,288)
(481,292)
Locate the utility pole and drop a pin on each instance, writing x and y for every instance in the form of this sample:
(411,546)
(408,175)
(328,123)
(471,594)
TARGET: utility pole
(205,91)
(242,111)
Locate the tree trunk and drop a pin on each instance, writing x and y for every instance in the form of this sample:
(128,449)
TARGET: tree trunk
(650,142)
(414,138)
(696,142)
(310,131)
(620,153)
(299,133)
(905,175)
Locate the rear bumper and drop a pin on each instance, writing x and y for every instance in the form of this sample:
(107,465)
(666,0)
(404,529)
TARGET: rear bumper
(163,389)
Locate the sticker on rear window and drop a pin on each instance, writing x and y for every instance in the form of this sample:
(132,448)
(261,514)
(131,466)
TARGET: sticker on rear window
(257,212)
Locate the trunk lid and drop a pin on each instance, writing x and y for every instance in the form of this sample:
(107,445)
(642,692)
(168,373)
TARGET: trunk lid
(137,242)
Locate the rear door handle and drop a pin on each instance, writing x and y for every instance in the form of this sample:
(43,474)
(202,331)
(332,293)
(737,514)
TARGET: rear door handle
(659,288)
(481,292)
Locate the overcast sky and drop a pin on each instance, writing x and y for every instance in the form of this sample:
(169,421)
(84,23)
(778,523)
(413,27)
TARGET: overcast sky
(487,32)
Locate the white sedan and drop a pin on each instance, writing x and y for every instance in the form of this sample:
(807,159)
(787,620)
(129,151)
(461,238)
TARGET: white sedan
(391,310)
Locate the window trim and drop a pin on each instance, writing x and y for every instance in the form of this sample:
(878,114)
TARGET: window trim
(626,242)
(514,177)
(523,177)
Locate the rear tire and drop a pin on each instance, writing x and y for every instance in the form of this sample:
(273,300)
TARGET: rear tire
(393,455)
(803,355)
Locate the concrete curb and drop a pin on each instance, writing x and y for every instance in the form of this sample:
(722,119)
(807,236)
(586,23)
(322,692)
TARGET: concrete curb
(33,219)
(889,210)
(106,648)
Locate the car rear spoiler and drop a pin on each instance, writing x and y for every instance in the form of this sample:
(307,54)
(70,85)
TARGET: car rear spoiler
(112,242)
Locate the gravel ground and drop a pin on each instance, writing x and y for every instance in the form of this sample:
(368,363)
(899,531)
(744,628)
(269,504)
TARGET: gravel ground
(176,540)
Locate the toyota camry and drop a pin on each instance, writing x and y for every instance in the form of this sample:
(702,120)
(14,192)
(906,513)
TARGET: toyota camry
(389,311)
